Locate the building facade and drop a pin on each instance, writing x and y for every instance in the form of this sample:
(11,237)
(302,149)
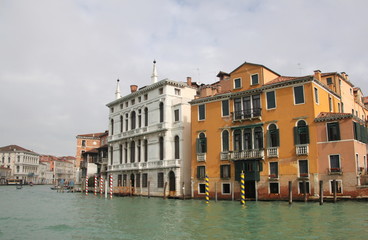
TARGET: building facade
(278,129)
(149,138)
(22,162)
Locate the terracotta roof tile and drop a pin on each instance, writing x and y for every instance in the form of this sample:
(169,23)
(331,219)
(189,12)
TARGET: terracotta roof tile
(281,79)
(14,148)
(327,116)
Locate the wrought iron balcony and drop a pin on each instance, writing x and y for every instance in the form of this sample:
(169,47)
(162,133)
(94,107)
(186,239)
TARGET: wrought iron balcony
(247,114)
(247,154)
(302,149)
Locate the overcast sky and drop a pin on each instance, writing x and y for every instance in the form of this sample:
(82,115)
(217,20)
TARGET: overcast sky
(59,60)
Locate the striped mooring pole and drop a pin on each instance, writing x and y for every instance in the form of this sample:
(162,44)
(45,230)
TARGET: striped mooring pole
(96,185)
(242,188)
(111,181)
(207,190)
(101,185)
(86,185)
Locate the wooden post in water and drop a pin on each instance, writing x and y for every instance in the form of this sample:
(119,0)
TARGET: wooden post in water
(305,191)
(334,190)
(183,189)
(215,191)
(149,189)
(320,192)
(232,191)
(165,190)
(290,192)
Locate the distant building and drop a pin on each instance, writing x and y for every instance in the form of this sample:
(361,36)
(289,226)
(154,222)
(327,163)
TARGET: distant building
(22,162)
(149,138)
(4,174)
(58,168)
(85,143)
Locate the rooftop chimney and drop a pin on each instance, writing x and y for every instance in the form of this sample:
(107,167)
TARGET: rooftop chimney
(133,88)
(154,72)
(117,92)
(189,81)
(317,75)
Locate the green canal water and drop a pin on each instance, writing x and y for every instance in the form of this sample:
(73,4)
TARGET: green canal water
(40,213)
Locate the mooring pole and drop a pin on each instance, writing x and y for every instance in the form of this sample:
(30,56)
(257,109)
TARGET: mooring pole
(215,191)
(305,191)
(320,192)
(149,189)
(183,188)
(165,190)
(290,192)
(334,189)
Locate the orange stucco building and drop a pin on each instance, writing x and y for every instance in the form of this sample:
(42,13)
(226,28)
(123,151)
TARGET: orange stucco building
(278,129)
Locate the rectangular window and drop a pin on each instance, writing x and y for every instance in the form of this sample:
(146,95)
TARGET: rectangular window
(201,188)
(139,99)
(299,95)
(133,101)
(301,187)
(316,95)
(119,180)
(176,115)
(335,163)
(330,103)
(138,181)
(124,180)
(160,91)
(225,171)
(201,172)
(274,170)
(274,187)
(144,180)
(303,168)
(338,187)
(329,80)
(225,108)
(271,100)
(202,112)
(160,180)
(177,91)
(237,83)
(226,188)
(145,96)
(255,79)
(333,131)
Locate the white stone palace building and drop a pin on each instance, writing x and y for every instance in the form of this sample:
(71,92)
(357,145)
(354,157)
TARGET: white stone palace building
(149,138)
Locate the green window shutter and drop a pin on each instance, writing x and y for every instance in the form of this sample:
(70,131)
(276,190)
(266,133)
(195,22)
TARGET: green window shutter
(296,136)
(359,135)
(355,130)
(338,131)
(277,137)
(204,142)
(197,145)
(307,133)
(268,136)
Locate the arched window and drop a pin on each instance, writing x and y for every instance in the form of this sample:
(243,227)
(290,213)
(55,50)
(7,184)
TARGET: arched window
(121,153)
(161,148)
(177,147)
(301,133)
(202,143)
(225,141)
(258,138)
(248,143)
(112,127)
(145,145)
(237,141)
(146,117)
(132,152)
(132,120)
(273,138)
(161,112)
(121,123)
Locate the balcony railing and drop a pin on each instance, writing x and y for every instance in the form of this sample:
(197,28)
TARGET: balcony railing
(302,149)
(334,171)
(247,114)
(201,157)
(247,154)
(273,152)
(145,165)
(303,176)
(273,177)
(225,155)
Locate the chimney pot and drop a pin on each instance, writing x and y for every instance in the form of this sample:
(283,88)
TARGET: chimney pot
(133,88)
(189,81)
(317,75)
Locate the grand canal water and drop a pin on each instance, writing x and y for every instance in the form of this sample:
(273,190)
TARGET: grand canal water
(40,213)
